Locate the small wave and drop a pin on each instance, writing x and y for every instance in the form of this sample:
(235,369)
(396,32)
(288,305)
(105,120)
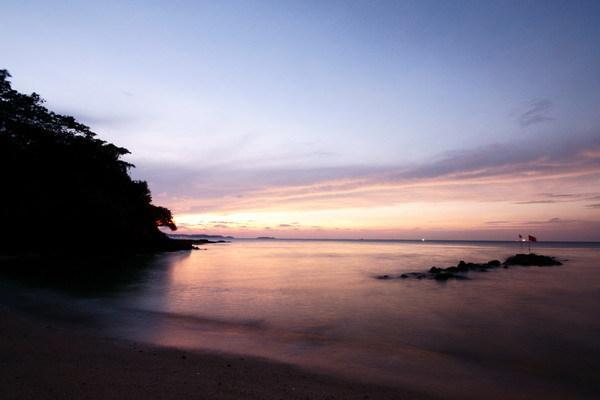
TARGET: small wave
(255,324)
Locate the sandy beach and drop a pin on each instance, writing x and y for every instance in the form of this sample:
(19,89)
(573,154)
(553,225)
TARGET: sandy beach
(40,360)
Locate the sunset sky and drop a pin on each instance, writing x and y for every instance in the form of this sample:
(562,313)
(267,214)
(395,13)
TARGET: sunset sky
(327,119)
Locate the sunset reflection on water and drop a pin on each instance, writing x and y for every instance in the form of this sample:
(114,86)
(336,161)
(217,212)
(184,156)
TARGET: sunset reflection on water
(318,304)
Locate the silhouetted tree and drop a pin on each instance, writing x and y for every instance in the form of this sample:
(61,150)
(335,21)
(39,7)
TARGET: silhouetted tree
(63,188)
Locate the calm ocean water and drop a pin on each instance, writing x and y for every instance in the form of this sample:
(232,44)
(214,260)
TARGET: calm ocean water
(513,333)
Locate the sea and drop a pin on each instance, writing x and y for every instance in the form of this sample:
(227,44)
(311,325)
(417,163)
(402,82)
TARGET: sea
(520,332)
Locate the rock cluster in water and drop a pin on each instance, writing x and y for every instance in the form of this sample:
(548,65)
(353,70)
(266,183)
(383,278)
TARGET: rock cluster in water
(532,259)
(459,271)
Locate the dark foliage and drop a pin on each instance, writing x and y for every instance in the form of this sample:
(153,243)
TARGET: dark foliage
(63,189)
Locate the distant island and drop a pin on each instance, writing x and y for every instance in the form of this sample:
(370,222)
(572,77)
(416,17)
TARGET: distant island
(59,177)
(199,236)
(265,238)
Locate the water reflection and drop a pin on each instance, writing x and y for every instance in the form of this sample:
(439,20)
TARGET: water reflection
(317,304)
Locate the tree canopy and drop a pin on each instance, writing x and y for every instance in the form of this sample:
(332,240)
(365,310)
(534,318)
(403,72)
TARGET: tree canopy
(64,188)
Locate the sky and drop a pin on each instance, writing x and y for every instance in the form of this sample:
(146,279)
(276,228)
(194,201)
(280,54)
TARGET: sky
(330,119)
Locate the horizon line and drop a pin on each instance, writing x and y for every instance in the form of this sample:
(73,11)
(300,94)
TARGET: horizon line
(384,240)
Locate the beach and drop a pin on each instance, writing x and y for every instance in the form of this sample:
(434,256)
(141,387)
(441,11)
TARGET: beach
(40,360)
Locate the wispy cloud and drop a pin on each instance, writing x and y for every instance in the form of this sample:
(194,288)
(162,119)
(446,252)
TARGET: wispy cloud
(554,220)
(552,198)
(536,202)
(538,111)
(529,186)
(99,121)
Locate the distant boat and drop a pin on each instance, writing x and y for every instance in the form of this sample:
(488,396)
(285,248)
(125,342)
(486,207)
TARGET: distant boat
(422,240)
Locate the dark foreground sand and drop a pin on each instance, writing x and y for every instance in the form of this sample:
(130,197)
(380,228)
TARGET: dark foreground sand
(41,361)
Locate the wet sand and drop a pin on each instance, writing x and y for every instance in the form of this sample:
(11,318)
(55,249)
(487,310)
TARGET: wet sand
(44,361)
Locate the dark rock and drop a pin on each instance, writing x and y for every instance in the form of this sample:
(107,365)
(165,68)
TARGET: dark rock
(532,260)
(416,275)
(457,272)
(443,276)
(462,266)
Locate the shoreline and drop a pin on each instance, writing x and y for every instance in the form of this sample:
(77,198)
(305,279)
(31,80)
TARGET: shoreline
(43,360)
